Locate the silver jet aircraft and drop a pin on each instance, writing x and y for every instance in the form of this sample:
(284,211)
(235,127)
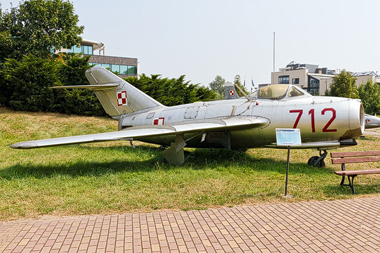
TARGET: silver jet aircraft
(371,121)
(325,122)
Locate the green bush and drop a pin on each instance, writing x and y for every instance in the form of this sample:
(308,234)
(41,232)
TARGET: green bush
(76,101)
(25,86)
(171,92)
(28,81)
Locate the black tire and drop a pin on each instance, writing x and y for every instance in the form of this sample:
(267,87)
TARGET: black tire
(312,161)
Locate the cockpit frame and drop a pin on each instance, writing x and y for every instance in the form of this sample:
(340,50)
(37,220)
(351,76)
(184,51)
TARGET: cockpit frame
(279,92)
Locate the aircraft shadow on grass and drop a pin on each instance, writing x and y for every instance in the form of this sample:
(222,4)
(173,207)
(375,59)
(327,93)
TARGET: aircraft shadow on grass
(197,159)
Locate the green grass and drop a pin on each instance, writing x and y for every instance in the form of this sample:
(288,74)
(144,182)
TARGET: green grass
(112,177)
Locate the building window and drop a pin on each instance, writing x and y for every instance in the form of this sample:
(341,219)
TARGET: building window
(124,69)
(74,49)
(132,70)
(283,79)
(313,87)
(295,81)
(87,50)
(120,69)
(115,68)
(314,83)
(106,65)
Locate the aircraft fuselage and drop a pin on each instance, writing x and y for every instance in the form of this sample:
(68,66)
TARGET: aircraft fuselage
(321,119)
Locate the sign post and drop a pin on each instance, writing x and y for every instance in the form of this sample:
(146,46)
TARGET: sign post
(287,137)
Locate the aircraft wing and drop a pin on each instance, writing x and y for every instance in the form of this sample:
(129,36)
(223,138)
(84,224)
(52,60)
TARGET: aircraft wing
(143,131)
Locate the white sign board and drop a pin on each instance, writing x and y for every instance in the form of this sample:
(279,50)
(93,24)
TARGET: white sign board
(288,137)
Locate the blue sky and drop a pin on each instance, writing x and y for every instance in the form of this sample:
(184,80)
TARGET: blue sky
(205,38)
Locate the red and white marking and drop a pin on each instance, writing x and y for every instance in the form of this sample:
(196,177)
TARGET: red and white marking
(232,92)
(121,98)
(158,121)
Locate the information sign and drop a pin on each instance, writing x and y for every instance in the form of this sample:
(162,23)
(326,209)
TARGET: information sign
(288,137)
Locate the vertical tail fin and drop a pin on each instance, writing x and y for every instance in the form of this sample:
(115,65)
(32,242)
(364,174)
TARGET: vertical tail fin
(116,95)
(230,92)
(122,99)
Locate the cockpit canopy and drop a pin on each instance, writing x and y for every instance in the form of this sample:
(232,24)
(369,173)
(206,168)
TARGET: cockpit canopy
(279,91)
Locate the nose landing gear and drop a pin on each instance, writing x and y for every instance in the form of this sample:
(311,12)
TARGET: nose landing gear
(318,161)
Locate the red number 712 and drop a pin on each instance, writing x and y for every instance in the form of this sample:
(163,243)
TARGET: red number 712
(312,115)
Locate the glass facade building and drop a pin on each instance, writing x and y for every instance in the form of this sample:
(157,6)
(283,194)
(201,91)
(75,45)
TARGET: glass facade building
(121,69)
(313,86)
(122,65)
(86,50)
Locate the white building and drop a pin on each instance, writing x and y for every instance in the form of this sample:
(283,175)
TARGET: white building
(314,79)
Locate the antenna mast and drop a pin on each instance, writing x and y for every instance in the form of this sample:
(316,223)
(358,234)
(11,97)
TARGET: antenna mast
(274,51)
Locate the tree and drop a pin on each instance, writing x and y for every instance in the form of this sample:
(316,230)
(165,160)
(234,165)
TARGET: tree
(170,92)
(28,83)
(369,93)
(238,83)
(75,101)
(344,85)
(218,85)
(38,27)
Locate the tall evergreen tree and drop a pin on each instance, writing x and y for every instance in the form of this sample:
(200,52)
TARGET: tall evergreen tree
(29,80)
(170,92)
(75,101)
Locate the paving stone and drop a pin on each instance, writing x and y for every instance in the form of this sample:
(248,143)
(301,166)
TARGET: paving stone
(326,226)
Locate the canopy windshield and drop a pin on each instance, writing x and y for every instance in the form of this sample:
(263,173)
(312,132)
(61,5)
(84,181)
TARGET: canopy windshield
(278,91)
(274,91)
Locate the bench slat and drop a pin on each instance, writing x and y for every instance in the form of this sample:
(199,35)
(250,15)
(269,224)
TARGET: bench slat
(356,153)
(355,160)
(356,172)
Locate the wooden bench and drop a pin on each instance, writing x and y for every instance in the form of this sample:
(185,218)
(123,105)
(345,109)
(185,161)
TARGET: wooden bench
(354,157)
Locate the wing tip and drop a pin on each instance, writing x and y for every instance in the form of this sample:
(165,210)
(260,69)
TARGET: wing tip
(21,145)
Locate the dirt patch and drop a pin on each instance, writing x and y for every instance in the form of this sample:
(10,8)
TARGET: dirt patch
(372,132)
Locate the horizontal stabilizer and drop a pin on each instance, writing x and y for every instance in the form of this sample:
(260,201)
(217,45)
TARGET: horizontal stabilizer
(90,87)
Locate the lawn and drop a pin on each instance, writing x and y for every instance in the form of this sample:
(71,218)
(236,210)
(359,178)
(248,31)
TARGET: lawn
(112,177)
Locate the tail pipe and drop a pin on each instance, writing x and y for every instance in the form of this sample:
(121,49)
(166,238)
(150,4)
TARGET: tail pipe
(356,120)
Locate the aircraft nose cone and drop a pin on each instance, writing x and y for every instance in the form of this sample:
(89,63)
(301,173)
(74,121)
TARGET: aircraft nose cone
(371,121)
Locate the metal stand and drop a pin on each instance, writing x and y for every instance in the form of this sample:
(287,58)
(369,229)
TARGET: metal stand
(287,175)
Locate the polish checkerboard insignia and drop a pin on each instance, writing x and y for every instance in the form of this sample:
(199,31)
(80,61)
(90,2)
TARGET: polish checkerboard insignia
(232,92)
(121,98)
(159,121)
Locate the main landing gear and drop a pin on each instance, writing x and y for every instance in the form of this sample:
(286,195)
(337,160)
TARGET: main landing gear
(318,161)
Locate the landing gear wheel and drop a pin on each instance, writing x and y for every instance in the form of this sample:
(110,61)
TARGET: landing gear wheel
(313,161)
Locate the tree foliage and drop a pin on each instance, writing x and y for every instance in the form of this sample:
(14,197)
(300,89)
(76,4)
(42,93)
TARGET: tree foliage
(38,27)
(31,32)
(28,81)
(344,85)
(237,82)
(218,85)
(369,93)
(171,91)
(76,101)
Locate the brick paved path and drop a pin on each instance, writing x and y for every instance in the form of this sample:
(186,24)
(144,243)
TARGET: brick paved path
(327,226)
